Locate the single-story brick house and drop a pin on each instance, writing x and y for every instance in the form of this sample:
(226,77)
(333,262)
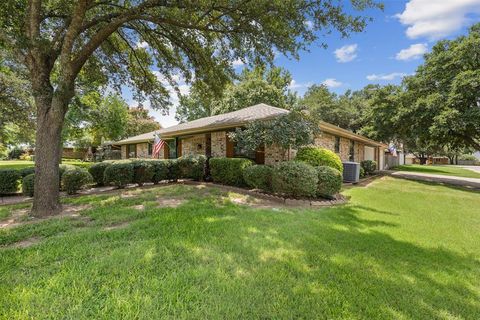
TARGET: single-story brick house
(208,136)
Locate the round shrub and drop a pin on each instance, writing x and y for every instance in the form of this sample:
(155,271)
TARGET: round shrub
(9,181)
(97,171)
(28,183)
(142,172)
(329,181)
(362,172)
(119,174)
(160,170)
(192,167)
(369,166)
(258,176)
(75,179)
(26,171)
(229,170)
(173,169)
(294,178)
(315,156)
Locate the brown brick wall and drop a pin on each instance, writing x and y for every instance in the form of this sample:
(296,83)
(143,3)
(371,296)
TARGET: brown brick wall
(219,144)
(194,145)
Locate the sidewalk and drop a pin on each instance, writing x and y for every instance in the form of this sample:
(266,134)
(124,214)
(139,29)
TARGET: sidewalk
(452,180)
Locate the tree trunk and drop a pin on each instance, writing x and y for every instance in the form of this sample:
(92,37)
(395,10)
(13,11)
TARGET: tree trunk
(50,116)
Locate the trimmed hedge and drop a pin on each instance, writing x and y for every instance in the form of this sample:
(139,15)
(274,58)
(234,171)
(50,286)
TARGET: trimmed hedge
(97,171)
(119,174)
(143,172)
(316,156)
(258,176)
(26,171)
(75,179)
(329,181)
(28,185)
(192,167)
(9,181)
(160,170)
(369,166)
(229,170)
(295,178)
(173,169)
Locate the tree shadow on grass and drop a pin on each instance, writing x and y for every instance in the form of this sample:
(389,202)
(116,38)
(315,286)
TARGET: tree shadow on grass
(338,267)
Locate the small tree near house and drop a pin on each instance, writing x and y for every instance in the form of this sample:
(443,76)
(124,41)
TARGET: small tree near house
(292,130)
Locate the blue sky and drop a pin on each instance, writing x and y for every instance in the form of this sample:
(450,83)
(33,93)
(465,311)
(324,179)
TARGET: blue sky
(391,46)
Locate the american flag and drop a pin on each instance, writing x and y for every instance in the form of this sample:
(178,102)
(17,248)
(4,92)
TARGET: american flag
(157,146)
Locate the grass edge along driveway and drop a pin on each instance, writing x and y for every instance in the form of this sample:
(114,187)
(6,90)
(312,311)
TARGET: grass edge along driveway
(445,170)
(400,249)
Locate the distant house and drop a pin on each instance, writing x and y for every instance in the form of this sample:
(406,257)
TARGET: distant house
(208,136)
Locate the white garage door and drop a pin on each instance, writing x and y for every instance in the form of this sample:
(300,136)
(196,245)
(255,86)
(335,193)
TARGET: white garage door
(369,153)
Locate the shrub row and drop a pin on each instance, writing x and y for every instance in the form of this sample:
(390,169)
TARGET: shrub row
(295,178)
(368,166)
(123,172)
(229,170)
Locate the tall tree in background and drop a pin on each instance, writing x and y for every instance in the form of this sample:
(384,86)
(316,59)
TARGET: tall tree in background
(93,119)
(139,121)
(57,40)
(17,111)
(253,86)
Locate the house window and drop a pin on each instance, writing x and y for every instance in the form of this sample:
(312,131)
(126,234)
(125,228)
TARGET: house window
(131,151)
(352,151)
(172,149)
(337,144)
(242,153)
(150,149)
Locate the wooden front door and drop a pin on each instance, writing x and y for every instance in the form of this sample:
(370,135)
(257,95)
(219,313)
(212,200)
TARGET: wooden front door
(179,148)
(166,151)
(260,155)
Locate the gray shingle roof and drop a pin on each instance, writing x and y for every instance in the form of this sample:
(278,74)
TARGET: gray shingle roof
(227,120)
(231,119)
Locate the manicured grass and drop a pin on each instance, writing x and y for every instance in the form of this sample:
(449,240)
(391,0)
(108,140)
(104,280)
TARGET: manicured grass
(399,250)
(20,164)
(447,170)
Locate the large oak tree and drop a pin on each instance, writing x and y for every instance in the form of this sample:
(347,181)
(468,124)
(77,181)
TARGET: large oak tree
(120,41)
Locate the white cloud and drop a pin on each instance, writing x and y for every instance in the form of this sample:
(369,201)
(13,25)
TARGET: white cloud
(415,51)
(332,83)
(142,44)
(294,85)
(346,53)
(237,63)
(309,24)
(435,19)
(385,77)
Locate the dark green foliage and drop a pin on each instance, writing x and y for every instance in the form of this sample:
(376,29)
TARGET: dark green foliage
(15,153)
(26,171)
(229,170)
(173,169)
(258,177)
(160,170)
(28,185)
(75,179)
(369,166)
(329,181)
(192,167)
(119,174)
(316,156)
(294,178)
(9,181)
(143,171)
(362,172)
(97,171)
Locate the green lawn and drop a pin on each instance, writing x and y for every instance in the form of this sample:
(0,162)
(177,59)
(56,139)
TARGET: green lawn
(399,250)
(446,170)
(20,164)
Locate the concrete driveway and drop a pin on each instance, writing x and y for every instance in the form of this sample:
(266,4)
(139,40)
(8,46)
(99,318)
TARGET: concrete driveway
(473,168)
